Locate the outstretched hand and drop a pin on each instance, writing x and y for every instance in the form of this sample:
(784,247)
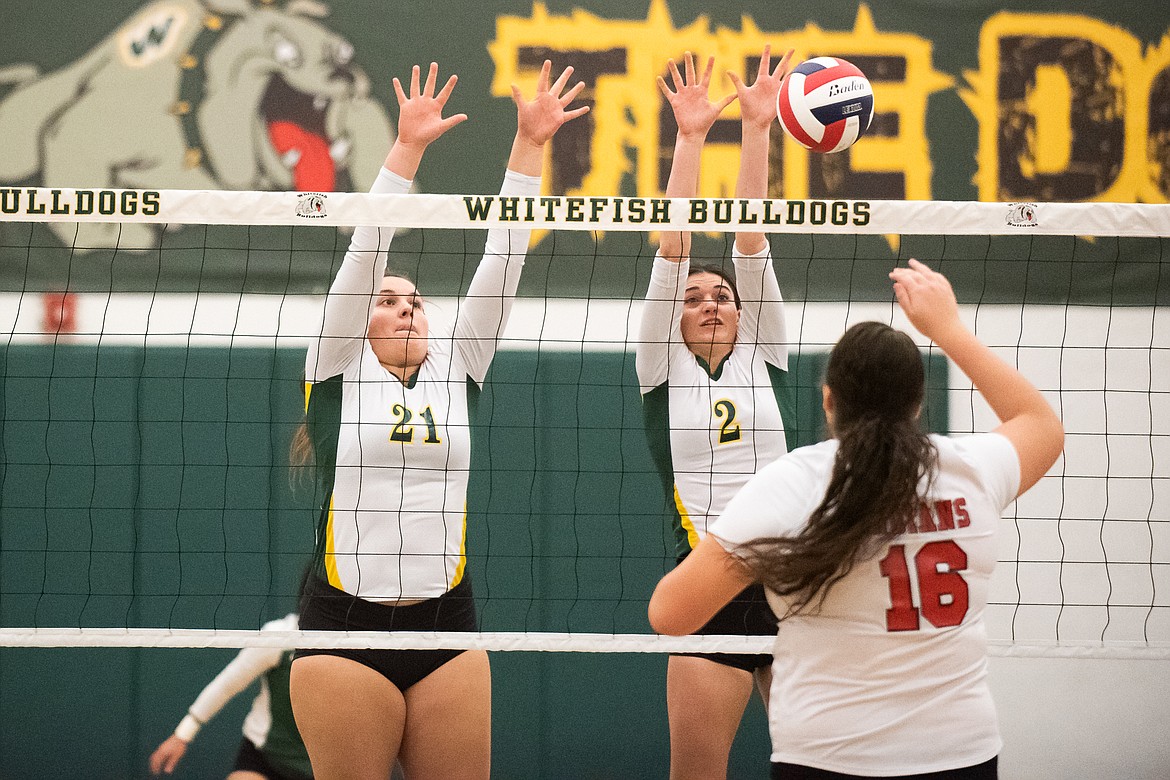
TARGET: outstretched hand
(757,103)
(927,299)
(538,120)
(420,115)
(694,113)
(167,755)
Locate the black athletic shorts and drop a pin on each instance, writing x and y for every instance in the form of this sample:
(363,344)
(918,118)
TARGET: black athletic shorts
(988,770)
(748,614)
(250,759)
(325,608)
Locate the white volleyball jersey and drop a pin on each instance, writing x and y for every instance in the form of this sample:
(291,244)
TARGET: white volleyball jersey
(393,458)
(889,676)
(710,432)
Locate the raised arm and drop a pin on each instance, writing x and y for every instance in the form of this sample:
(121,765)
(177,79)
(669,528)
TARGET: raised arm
(762,316)
(694,114)
(484,312)
(351,296)
(757,107)
(1026,418)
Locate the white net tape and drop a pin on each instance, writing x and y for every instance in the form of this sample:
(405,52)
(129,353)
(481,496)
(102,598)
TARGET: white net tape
(892,217)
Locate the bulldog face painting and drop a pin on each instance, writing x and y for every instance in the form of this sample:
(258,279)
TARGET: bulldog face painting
(191,94)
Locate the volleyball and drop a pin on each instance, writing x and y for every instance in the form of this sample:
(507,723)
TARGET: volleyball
(825,104)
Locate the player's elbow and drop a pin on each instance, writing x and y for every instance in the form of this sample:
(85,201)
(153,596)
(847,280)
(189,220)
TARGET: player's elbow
(750,243)
(675,247)
(663,622)
(1057,432)
(1052,437)
(1039,440)
(1046,434)
(669,615)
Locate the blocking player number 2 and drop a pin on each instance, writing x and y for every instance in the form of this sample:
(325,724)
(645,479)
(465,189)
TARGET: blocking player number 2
(942,591)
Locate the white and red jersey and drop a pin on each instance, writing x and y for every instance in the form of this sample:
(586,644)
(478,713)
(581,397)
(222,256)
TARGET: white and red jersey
(709,430)
(393,458)
(889,676)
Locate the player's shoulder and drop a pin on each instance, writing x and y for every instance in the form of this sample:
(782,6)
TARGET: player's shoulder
(812,456)
(803,464)
(987,459)
(974,449)
(781,494)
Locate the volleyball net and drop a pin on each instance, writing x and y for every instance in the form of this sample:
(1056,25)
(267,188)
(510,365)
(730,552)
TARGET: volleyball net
(151,380)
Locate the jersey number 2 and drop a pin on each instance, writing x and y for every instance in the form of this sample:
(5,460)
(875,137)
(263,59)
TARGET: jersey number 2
(942,590)
(729,431)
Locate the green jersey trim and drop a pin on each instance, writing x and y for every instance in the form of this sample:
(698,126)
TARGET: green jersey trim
(784,390)
(323,418)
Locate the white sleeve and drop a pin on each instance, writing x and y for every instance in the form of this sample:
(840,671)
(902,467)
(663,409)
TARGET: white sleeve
(346,318)
(483,313)
(761,320)
(998,464)
(250,663)
(661,317)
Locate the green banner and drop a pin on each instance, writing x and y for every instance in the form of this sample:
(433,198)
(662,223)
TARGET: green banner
(1024,102)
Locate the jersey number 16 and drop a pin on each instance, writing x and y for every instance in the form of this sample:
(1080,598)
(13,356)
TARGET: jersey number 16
(942,591)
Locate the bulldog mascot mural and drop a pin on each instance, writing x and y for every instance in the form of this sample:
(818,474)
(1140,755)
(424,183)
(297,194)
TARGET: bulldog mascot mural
(197,94)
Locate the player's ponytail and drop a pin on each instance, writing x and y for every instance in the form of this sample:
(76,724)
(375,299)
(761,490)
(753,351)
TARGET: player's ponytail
(876,383)
(301,456)
(300,449)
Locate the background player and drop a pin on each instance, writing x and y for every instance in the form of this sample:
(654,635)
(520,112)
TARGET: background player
(271,748)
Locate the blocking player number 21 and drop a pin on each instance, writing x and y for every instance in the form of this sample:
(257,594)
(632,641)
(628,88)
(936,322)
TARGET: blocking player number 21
(942,591)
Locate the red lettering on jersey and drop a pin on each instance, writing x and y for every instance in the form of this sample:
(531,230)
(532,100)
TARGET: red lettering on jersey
(961,512)
(925,521)
(902,615)
(911,525)
(946,515)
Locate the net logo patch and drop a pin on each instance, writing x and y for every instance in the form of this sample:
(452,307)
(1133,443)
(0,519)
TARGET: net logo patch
(1022,215)
(311,205)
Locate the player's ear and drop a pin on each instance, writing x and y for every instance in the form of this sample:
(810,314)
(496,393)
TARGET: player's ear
(827,404)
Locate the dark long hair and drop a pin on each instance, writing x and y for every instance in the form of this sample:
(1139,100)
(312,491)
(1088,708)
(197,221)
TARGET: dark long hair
(727,276)
(877,384)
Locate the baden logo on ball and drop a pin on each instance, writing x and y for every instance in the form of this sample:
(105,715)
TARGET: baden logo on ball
(825,104)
